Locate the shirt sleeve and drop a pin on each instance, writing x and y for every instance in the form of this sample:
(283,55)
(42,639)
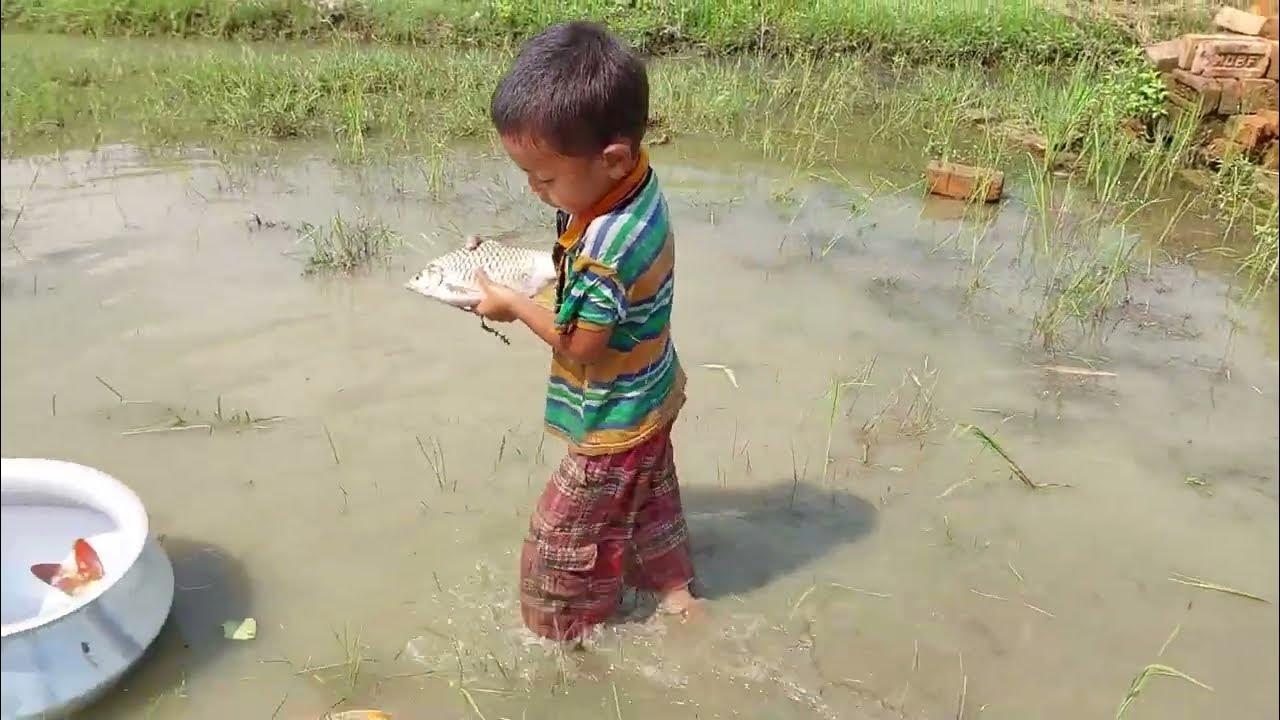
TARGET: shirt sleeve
(594,298)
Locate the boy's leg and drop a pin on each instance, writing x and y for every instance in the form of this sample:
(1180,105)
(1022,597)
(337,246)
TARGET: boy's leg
(661,560)
(569,579)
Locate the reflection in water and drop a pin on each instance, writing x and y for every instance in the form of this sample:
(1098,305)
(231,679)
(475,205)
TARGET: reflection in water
(858,557)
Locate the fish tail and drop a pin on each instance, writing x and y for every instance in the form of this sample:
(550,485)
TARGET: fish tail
(47,572)
(88,564)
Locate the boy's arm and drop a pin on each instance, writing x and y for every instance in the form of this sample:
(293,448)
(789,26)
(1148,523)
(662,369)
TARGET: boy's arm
(582,345)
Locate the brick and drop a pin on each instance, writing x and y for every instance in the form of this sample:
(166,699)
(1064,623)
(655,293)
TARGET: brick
(1239,58)
(1191,43)
(1232,93)
(1165,56)
(963,181)
(1193,92)
(1271,120)
(1249,131)
(1220,150)
(1258,95)
(1239,21)
(1271,156)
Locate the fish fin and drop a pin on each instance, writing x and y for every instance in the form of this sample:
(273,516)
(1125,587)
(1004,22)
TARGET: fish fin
(88,564)
(47,572)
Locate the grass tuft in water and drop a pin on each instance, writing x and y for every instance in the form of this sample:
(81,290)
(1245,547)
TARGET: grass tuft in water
(346,245)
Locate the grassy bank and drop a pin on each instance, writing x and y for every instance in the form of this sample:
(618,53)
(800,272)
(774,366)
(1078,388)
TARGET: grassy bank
(813,114)
(984,31)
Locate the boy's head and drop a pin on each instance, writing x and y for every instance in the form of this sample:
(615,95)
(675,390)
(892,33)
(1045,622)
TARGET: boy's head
(571,113)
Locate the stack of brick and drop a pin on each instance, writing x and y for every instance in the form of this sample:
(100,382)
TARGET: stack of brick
(1230,74)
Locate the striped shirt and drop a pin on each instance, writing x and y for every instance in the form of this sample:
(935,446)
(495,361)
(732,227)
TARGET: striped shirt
(618,276)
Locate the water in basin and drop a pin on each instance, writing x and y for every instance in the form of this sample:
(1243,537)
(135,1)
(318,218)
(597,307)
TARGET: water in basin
(44,534)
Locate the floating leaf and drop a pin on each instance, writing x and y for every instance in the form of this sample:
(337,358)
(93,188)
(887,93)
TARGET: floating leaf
(246,629)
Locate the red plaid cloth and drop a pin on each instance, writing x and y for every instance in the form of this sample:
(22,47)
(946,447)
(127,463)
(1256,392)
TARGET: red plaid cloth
(603,521)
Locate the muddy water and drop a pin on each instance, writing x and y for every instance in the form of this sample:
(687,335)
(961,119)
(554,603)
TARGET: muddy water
(913,575)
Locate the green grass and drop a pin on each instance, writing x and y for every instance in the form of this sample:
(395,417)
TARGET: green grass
(929,30)
(814,114)
(346,246)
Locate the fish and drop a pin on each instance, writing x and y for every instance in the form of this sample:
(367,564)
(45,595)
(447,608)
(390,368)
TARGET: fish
(73,579)
(451,278)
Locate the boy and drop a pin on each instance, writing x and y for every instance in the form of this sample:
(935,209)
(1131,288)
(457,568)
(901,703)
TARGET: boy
(571,112)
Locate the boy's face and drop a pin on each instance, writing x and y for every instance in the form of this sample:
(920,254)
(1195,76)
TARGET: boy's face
(572,184)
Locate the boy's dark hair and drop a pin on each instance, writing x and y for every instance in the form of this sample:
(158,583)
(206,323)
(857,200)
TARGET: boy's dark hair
(575,87)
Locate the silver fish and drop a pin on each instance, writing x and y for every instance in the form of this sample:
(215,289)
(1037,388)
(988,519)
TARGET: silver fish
(450,278)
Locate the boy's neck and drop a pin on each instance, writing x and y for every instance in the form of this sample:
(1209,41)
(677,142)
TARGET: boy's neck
(623,188)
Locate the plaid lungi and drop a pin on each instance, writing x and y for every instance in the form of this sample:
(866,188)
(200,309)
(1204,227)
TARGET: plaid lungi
(603,521)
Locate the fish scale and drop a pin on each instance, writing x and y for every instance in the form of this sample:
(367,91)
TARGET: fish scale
(450,278)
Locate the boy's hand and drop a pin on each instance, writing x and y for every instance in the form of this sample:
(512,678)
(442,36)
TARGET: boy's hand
(497,302)
(472,242)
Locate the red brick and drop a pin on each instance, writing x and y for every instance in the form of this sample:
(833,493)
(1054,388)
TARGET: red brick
(1220,150)
(1270,118)
(1258,95)
(1232,91)
(1192,91)
(1165,56)
(1239,21)
(1271,156)
(1250,131)
(1239,58)
(1191,42)
(963,182)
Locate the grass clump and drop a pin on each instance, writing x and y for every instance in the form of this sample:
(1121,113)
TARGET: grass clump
(345,245)
(1261,265)
(921,30)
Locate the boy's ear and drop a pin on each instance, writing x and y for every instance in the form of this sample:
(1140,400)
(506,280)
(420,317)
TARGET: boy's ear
(619,159)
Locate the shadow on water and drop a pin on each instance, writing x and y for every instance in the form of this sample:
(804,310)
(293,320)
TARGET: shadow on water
(210,586)
(744,539)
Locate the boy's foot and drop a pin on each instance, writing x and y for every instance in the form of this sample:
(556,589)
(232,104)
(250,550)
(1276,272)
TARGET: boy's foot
(681,602)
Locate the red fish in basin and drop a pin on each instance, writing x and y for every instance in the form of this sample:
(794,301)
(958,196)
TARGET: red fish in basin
(72,579)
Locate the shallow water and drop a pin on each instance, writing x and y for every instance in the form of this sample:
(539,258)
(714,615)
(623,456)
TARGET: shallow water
(914,575)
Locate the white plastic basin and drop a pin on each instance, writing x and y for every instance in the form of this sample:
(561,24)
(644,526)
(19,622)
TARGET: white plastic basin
(61,652)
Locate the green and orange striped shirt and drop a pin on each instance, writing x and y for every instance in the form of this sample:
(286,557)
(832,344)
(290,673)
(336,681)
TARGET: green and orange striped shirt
(617,273)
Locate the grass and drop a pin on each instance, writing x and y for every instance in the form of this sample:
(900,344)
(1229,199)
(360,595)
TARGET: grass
(1206,585)
(346,245)
(810,112)
(921,30)
(991,444)
(1261,264)
(1140,682)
